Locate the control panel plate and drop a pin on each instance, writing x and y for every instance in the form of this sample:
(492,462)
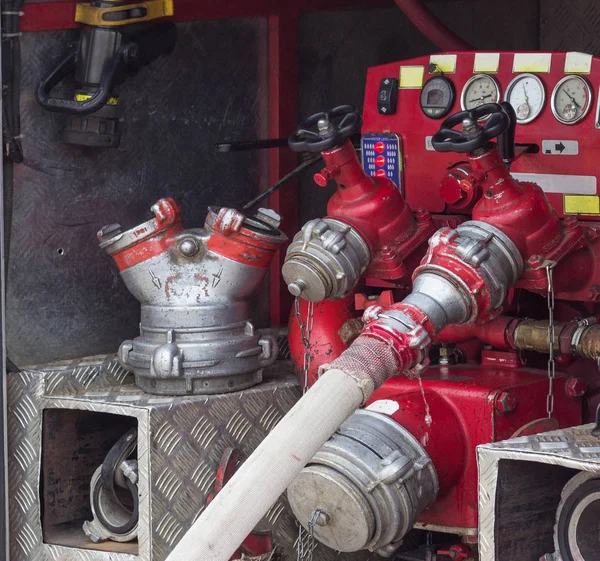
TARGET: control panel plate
(567,156)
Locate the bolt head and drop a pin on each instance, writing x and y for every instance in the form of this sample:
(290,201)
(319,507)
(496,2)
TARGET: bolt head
(505,402)
(536,261)
(469,125)
(323,125)
(574,387)
(188,247)
(296,288)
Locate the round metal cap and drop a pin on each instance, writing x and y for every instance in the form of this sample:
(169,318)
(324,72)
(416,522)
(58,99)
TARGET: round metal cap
(350,519)
(300,274)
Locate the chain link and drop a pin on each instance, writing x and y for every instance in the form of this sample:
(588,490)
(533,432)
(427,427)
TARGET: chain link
(551,363)
(306,546)
(306,328)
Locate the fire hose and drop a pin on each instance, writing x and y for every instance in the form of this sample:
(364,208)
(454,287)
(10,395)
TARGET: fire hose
(395,340)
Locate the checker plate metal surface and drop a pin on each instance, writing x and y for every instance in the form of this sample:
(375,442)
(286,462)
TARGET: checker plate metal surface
(570,26)
(574,448)
(180,443)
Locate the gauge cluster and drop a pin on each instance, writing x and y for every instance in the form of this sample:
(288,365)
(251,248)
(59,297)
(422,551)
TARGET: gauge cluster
(571,98)
(556,98)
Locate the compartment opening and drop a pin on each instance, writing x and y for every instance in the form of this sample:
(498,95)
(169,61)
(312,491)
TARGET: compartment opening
(74,444)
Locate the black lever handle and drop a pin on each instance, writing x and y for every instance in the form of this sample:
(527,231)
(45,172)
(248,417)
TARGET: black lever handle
(72,106)
(506,140)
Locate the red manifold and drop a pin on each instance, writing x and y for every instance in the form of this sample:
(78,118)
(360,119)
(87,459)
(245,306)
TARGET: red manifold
(375,207)
(471,405)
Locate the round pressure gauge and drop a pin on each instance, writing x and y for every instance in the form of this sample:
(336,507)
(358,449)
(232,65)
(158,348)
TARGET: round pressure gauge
(479,90)
(571,99)
(437,97)
(527,96)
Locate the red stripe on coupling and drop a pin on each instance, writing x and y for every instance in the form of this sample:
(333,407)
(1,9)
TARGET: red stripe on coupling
(145,250)
(239,251)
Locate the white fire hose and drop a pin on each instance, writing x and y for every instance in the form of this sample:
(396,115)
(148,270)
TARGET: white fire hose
(267,473)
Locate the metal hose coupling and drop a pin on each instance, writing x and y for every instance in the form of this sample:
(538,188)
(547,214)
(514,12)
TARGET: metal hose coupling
(195,288)
(325,260)
(463,278)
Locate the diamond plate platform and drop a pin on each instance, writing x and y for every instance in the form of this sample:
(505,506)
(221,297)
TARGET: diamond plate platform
(570,25)
(180,443)
(520,482)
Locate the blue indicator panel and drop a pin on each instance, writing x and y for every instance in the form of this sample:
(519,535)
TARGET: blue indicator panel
(381,157)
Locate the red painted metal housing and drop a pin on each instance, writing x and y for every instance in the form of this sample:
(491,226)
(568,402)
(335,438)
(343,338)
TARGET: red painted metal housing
(470,405)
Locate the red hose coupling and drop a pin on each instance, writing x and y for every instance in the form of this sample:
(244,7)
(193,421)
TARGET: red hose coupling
(147,240)
(404,328)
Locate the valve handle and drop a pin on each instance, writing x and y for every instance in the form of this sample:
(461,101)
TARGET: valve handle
(473,136)
(333,128)
(506,140)
(71,106)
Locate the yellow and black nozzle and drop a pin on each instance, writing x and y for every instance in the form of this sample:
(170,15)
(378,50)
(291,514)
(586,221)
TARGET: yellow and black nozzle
(116,41)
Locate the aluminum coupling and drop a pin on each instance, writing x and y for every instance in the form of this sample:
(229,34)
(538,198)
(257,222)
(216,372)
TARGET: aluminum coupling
(465,275)
(365,488)
(196,288)
(325,260)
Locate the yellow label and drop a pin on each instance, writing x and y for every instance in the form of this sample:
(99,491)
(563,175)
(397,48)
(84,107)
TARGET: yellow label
(532,62)
(411,76)
(85,97)
(486,62)
(444,63)
(582,204)
(578,63)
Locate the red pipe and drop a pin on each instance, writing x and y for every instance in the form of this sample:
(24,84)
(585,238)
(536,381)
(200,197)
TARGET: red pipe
(432,27)
(498,333)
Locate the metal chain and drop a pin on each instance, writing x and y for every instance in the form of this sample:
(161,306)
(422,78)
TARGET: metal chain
(306,328)
(306,548)
(551,362)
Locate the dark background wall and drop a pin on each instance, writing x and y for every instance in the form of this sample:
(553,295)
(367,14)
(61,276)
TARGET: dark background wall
(65,298)
(70,303)
(337,48)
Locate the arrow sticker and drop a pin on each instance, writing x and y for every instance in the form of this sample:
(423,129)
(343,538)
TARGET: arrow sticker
(560,147)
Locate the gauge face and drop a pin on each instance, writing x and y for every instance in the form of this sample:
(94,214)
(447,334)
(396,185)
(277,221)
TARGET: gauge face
(479,90)
(437,97)
(571,99)
(527,96)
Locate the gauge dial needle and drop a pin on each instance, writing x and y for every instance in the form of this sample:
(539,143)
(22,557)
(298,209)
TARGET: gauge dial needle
(525,92)
(572,100)
(480,98)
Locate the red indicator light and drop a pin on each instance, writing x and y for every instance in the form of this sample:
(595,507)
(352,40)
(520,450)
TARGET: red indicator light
(379,147)
(380,173)
(380,161)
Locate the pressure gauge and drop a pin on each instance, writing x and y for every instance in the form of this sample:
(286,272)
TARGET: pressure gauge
(479,90)
(527,96)
(437,97)
(571,99)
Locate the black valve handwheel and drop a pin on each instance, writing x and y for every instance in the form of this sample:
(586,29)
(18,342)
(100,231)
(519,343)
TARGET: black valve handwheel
(448,139)
(344,121)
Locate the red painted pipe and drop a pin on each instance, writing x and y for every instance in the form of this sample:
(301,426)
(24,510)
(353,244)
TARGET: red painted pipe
(432,27)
